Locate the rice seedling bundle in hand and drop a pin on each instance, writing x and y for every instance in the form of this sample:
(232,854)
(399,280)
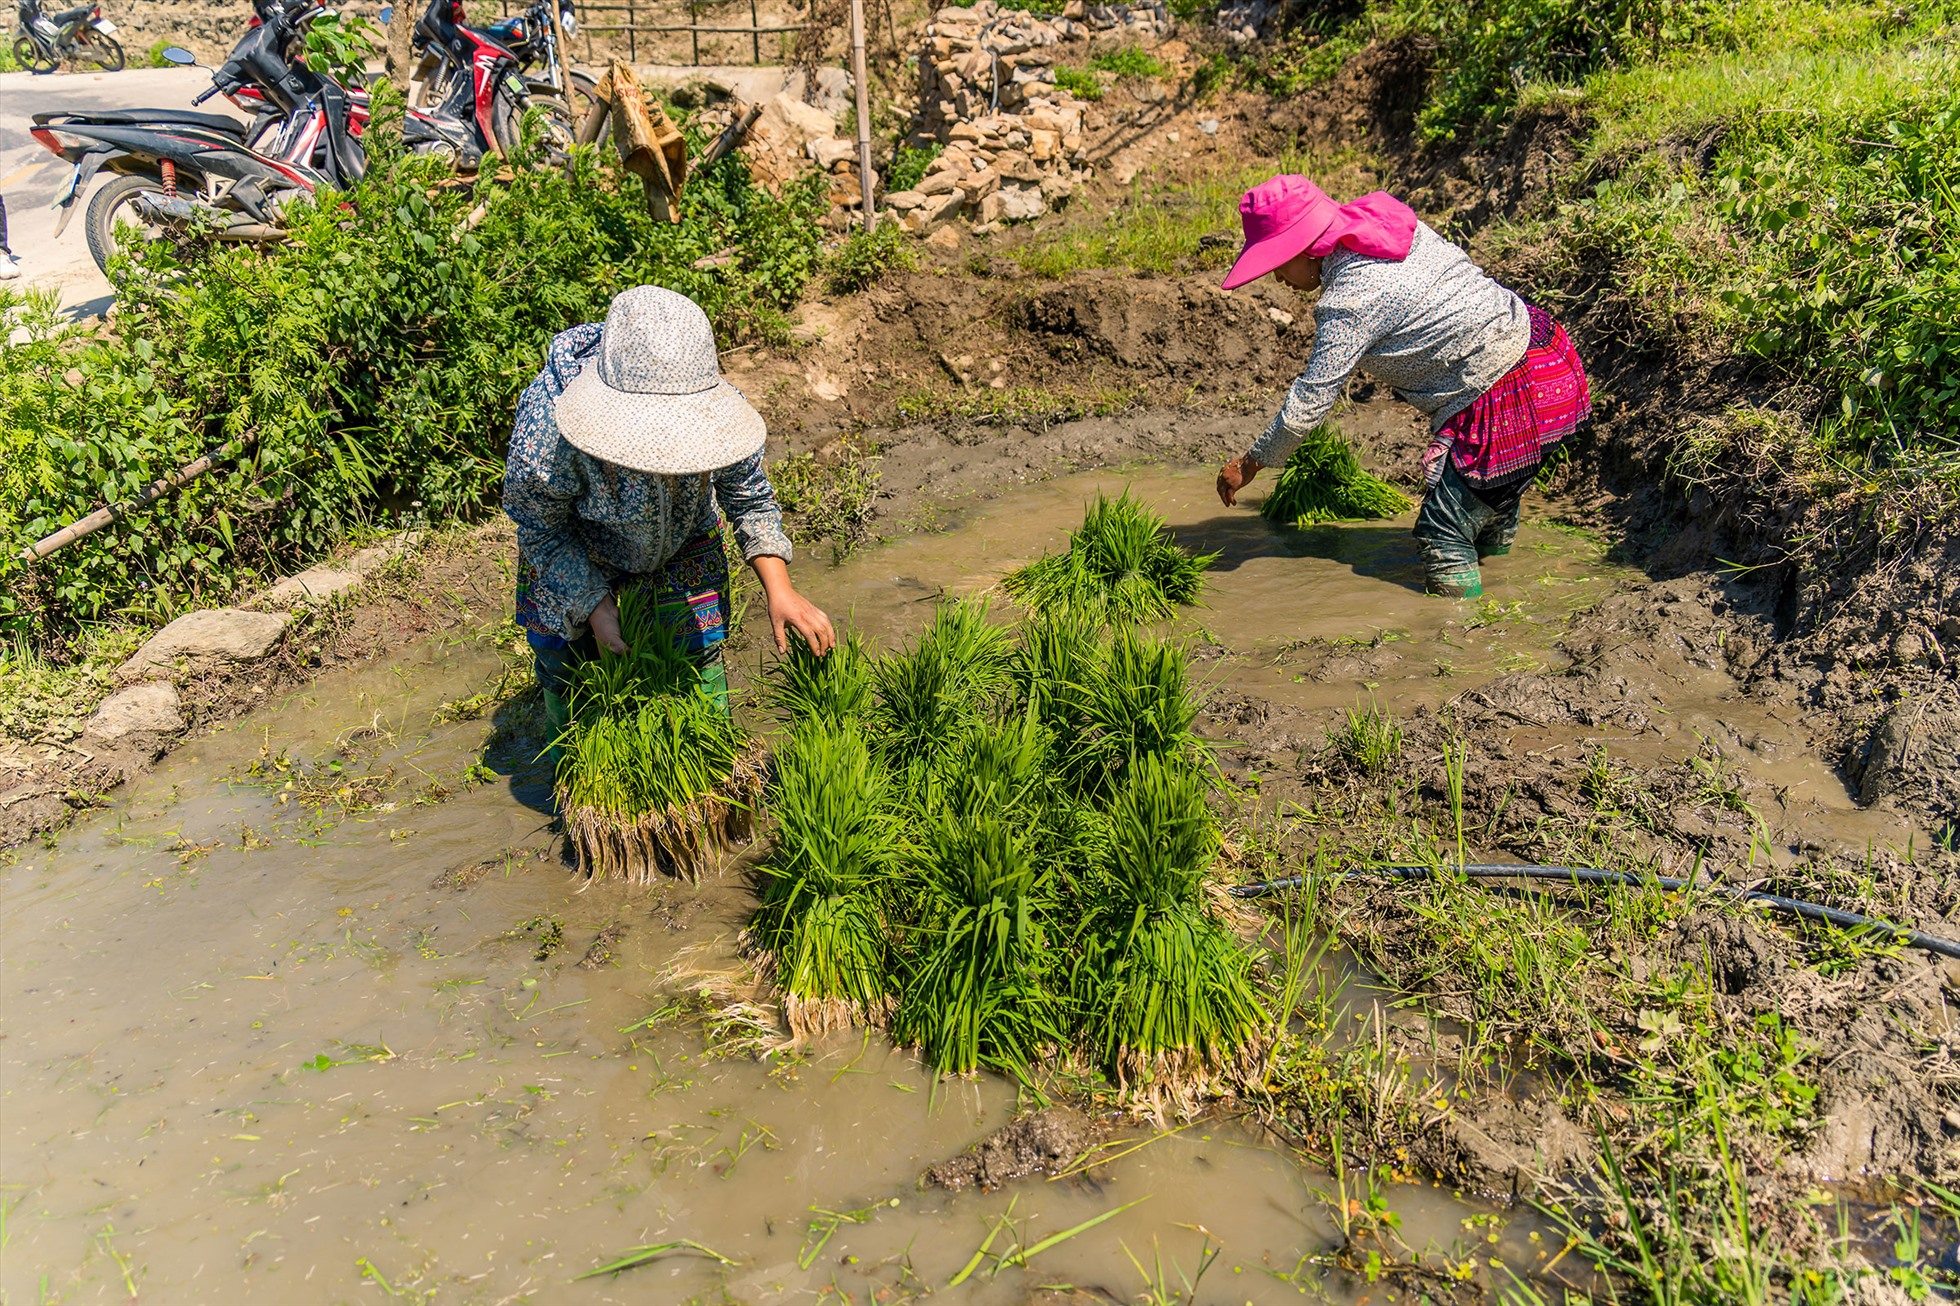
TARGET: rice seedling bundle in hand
(1172,990)
(655,774)
(838,841)
(1123,564)
(1323,482)
(834,688)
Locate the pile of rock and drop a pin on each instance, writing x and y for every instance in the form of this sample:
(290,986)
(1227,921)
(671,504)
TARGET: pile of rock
(1012,139)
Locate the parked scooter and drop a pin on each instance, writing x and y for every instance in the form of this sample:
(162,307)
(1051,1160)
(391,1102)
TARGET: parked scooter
(46,41)
(530,37)
(474,77)
(191,173)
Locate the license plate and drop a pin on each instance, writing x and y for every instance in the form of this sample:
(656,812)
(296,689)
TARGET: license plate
(105,27)
(68,191)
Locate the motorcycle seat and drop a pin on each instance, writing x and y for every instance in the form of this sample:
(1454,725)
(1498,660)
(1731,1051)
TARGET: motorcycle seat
(216,122)
(68,16)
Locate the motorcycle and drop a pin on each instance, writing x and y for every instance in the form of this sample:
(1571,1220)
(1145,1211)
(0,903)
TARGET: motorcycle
(46,40)
(530,37)
(475,78)
(181,171)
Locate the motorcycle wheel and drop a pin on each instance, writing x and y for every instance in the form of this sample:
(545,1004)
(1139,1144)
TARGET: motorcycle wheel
(106,51)
(508,120)
(115,203)
(29,55)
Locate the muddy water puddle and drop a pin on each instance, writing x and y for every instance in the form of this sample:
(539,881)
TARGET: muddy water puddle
(254,1052)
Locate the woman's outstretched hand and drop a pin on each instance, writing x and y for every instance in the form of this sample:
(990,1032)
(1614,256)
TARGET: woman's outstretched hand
(789,610)
(1235,476)
(605,626)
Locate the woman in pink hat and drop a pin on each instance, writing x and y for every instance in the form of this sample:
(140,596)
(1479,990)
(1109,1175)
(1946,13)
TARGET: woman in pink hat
(1497,377)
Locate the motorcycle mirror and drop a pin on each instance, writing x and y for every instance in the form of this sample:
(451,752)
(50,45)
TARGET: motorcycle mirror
(387,12)
(178,55)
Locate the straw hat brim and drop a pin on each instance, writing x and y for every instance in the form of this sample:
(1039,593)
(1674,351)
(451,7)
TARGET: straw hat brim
(671,435)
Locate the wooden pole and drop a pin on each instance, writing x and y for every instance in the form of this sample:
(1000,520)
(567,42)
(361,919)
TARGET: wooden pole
(561,58)
(632,45)
(863,111)
(755,37)
(730,138)
(150,493)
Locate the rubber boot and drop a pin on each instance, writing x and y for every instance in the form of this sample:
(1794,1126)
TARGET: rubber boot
(1457,585)
(557,718)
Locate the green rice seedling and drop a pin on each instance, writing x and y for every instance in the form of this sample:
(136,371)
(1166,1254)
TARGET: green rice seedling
(929,696)
(973,995)
(838,841)
(1368,739)
(1123,564)
(1055,661)
(1139,704)
(655,774)
(1323,482)
(833,688)
(1174,1003)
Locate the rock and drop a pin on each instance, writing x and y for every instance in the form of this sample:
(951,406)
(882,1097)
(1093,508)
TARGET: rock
(938,208)
(1280,317)
(790,125)
(992,207)
(1019,203)
(151,708)
(980,184)
(829,151)
(903,201)
(226,634)
(945,240)
(938,183)
(314,585)
(1046,1142)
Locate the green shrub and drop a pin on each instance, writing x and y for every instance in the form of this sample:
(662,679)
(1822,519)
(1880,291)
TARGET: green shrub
(866,256)
(375,357)
(1079,82)
(153,57)
(909,163)
(1130,61)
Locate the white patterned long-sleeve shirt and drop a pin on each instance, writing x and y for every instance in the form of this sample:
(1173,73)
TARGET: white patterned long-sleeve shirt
(1433,327)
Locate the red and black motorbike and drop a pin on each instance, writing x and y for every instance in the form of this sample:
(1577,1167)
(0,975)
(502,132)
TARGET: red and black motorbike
(471,76)
(206,174)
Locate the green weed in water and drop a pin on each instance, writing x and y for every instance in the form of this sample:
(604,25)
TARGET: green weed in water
(1323,482)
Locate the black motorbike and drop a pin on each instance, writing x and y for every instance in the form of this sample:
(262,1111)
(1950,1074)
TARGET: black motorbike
(471,73)
(529,36)
(205,174)
(48,40)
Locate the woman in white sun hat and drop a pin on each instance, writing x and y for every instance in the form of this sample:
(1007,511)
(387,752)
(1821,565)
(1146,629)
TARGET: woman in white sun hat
(626,453)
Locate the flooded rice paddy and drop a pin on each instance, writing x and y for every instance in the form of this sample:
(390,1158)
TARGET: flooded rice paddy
(301,1016)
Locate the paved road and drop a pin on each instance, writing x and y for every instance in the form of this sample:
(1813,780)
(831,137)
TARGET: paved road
(30,176)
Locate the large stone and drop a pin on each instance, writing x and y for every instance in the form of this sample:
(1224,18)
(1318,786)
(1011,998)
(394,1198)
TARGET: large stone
(938,183)
(314,585)
(147,709)
(829,151)
(787,124)
(903,201)
(939,208)
(945,240)
(215,634)
(1021,203)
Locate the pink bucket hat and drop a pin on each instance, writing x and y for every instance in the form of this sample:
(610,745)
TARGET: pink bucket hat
(1289,215)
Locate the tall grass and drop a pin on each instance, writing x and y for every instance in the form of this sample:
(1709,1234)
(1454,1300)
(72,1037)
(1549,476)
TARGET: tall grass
(1123,564)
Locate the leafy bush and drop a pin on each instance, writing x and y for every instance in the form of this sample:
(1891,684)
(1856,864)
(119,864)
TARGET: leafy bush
(373,360)
(1130,61)
(1079,82)
(909,165)
(866,256)
(152,57)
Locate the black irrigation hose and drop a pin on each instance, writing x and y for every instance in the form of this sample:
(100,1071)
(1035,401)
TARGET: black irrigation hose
(1849,920)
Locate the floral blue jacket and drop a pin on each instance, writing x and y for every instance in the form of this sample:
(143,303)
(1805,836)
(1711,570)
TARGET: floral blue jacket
(585,526)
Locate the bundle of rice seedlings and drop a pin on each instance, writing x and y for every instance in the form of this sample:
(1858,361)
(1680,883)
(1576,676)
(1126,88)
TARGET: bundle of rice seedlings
(819,928)
(973,995)
(1173,1000)
(833,688)
(1054,663)
(929,696)
(655,775)
(1123,564)
(1323,482)
(1139,703)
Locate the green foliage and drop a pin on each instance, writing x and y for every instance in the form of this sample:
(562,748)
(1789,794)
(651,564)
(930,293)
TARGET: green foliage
(909,163)
(376,356)
(1035,406)
(342,46)
(1079,82)
(1368,739)
(1323,482)
(655,775)
(834,689)
(829,496)
(1123,564)
(866,257)
(152,58)
(1130,61)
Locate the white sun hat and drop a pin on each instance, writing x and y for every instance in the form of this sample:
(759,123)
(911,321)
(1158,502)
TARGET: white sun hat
(654,400)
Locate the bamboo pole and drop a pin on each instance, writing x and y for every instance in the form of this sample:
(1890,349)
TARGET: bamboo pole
(863,111)
(95,521)
(730,138)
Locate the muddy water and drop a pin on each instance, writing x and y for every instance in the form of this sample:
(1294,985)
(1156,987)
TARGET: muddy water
(253,1053)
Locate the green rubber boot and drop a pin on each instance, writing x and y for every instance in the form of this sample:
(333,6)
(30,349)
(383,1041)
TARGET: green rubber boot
(1457,585)
(557,718)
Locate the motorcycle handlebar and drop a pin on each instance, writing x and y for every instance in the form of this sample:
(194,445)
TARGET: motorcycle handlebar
(202,98)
